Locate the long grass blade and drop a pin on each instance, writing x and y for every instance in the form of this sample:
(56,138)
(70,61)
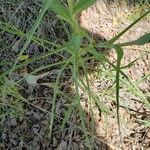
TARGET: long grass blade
(119,57)
(82,5)
(29,35)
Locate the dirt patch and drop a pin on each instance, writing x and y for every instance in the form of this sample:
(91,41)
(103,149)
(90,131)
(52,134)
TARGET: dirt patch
(26,124)
(106,21)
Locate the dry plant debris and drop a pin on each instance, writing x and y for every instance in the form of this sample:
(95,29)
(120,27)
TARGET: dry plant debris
(29,129)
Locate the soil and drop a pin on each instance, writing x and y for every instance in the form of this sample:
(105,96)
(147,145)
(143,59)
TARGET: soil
(105,21)
(26,126)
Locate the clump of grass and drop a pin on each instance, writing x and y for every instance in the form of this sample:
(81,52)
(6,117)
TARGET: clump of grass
(74,47)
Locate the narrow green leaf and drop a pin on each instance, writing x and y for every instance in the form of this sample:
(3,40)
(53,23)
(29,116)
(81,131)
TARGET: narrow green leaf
(130,26)
(82,5)
(140,41)
(56,87)
(119,51)
(76,42)
(98,55)
(29,35)
(67,116)
(70,5)
(114,39)
(10,28)
(102,58)
(61,10)
(143,39)
(102,106)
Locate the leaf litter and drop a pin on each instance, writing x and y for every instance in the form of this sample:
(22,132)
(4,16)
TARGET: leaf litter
(30,129)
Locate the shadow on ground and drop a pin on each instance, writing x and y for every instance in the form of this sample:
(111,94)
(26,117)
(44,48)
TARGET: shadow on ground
(30,130)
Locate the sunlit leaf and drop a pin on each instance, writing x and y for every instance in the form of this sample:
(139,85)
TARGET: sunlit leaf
(143,39)
(24,57)
(114,39)
(119,51)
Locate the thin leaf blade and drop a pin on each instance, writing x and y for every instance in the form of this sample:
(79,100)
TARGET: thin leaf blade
(143,39)
(60,10)
(82,5)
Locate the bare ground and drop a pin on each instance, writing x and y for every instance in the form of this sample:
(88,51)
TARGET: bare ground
(106,21)
(30,129)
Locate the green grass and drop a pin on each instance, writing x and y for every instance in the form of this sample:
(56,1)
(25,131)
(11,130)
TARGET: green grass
(10,88)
